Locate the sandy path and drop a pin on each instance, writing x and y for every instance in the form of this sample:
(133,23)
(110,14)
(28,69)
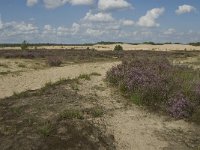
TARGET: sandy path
(37,79)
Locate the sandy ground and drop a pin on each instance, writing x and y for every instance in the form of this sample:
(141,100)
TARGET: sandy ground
(15,66)
(36,79)
(165,47)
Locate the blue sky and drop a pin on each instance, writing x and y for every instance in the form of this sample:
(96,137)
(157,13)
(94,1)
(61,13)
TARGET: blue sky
(87,21)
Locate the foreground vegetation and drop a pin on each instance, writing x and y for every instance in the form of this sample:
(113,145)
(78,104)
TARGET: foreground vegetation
(50,118)
(156,83)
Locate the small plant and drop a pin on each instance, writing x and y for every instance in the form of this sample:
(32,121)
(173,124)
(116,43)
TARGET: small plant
(22,65)
(46,86)
(24,45)
(97,112)
(95,74)
(136,98)
(5,73)
(20,95)
(196,115)
(4,65)
(74,86)
(84,76)
(71,114)
(17,110)
(54,61)
(118,48)
(45,129)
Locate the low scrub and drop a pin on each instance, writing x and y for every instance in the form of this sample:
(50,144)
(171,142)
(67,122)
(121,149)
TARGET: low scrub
(156,83)
(71,114)
(54,61)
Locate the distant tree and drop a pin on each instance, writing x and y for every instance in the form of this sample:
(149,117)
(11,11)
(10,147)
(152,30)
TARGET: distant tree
(24,45)
(118,48)
(195,44)
(150,43)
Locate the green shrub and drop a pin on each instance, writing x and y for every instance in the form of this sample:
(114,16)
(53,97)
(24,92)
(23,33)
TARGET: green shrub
(24,45)
(118,48)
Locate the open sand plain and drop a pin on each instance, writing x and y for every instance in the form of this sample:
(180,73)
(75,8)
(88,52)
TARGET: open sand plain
(100,47)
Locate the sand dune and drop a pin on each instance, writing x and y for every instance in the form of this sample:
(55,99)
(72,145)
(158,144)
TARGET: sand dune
(165,47)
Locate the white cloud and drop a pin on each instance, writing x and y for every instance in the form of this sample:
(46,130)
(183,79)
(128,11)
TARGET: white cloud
(60,30)
(149,20)
(1,23)
(113,4)
(31,2)
(127,22)
(18,31)
(94,33)
(185,9)
(81,2)
(99,17)
(75,28)
(51,4)
(48,29)
(169,31)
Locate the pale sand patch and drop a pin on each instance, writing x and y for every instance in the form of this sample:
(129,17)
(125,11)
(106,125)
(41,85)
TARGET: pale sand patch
(21,65)
(36,79)
(100,47)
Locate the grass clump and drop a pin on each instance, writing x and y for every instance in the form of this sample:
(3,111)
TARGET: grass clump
(22,65)
(84,76)
(97,112)
(156,83)
(17,95)
(71,114)
(95,74)
(4,65)
(45,129)
(5,73)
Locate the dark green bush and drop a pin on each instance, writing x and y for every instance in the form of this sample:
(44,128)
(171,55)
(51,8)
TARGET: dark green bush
(24,45)
(118,48)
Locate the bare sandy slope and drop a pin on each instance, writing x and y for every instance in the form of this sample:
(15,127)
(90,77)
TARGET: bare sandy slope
(135,128)
(37,79)
(165,47)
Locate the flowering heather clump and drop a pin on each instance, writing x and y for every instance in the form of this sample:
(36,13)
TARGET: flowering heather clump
(54,61)
(153,82)
(115,74)
(180,107)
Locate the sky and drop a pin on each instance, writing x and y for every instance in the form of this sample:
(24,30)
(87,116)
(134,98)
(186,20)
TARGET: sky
(90,21)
